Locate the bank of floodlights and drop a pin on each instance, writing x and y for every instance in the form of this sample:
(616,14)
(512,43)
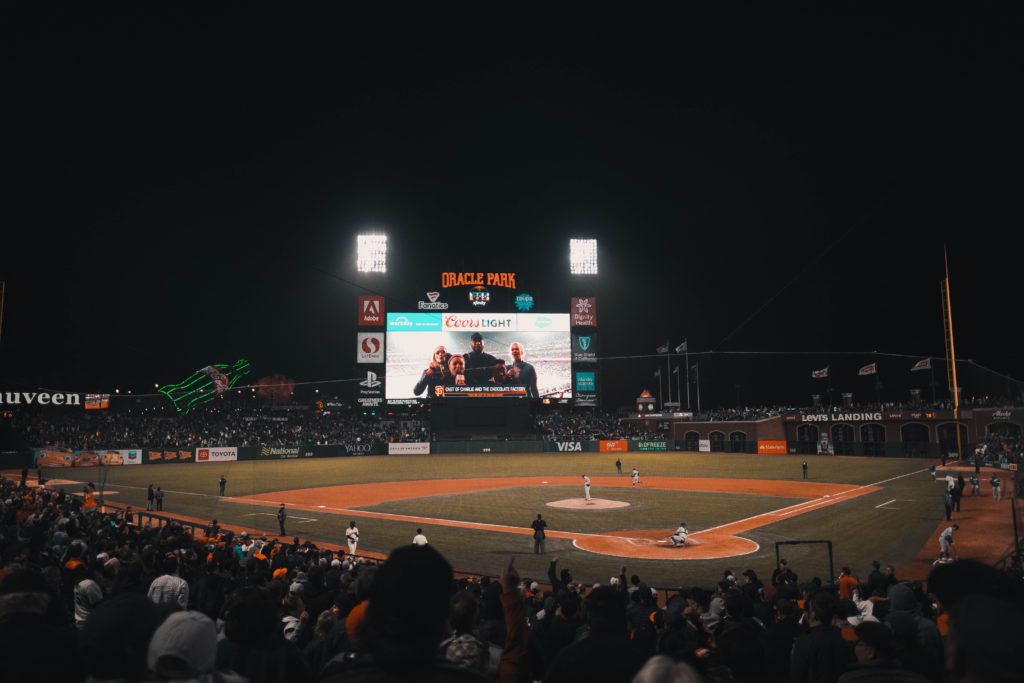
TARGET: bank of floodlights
(583,257)
(372,253)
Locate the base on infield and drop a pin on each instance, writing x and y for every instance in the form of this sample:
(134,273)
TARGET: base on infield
(584,504)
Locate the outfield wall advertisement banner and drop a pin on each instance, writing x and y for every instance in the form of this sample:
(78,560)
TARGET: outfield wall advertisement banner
(216,454)
(155,456)
(415,341)
(649,445)
(704,445)
(408,449)
(614,446)
(771,447)
(48,457)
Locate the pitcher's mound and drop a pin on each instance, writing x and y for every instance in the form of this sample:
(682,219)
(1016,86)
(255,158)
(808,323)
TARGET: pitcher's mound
(592,504)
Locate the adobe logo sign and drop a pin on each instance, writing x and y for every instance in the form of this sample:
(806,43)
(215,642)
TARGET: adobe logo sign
(371,311)
(370,347)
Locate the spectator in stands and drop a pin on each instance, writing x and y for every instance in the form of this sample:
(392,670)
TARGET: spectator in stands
(406,619)
(169,588)
(606,654)
(821,655)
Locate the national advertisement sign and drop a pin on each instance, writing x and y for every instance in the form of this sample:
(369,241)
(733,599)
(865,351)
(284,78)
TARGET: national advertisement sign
(704,445)
(415,448)
(282,452)
(567,446)
(584,348)
(216,454)
(648,445)
(583,311)
(614,445)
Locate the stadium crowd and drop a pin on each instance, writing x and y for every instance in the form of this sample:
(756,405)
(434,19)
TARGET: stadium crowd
(577,424)
(212,425)
(87,595)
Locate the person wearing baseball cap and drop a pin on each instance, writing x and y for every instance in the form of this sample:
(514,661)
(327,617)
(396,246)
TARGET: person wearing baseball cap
(479,364)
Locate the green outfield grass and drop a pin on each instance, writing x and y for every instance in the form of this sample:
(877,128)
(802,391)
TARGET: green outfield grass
(859,530)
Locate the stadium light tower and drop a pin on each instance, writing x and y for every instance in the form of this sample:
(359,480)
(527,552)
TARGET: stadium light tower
(583,257)
(372,253)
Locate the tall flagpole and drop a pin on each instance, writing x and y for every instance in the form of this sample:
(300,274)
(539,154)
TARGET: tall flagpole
(679,392)
(687,375)
(668,368)
(697,373)
(660,394)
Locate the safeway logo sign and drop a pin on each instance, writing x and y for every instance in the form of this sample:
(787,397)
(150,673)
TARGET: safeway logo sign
(371,311)
(584,311)
(370,347)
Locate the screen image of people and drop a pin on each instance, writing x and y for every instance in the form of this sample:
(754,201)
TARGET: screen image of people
(431,356)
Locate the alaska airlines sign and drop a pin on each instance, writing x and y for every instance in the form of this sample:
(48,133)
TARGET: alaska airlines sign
(478,279)
(42,398)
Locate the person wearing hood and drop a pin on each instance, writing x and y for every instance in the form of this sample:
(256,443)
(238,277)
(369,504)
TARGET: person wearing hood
(901,599)
(876,661)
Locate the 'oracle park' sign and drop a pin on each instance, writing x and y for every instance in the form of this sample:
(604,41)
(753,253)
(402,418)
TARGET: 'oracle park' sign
(41,398)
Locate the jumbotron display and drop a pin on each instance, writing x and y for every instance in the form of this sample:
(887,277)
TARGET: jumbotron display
(433,356)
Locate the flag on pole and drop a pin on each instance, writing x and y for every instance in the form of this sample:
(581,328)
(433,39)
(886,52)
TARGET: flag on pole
(820,374)
(925,364)
(681,348)
(676,371)
(871,369)
(657,373)
(663,349)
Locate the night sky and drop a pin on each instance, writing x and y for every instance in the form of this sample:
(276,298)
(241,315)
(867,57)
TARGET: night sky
(186,189)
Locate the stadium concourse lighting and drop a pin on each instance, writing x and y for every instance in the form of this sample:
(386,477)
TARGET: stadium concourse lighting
(372,253)
(583,257)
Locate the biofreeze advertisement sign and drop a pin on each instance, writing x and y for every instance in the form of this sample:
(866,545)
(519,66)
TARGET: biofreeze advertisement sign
(433,356)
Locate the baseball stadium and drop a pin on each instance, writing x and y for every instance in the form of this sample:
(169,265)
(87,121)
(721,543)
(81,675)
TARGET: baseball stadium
(535,351)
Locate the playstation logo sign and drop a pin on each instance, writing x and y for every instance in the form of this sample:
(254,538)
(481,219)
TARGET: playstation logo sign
(371,380)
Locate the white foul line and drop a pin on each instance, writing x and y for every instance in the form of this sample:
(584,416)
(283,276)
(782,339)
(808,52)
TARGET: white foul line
(824,500)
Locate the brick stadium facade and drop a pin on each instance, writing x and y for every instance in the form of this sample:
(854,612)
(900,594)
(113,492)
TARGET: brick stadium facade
(850,432)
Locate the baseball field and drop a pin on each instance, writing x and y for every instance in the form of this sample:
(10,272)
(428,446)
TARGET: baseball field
(477,509)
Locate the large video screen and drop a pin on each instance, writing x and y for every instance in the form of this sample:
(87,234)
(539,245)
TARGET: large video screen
(434,356)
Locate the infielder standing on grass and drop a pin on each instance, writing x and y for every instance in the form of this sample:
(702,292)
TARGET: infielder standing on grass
(586,487)
(352,534)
